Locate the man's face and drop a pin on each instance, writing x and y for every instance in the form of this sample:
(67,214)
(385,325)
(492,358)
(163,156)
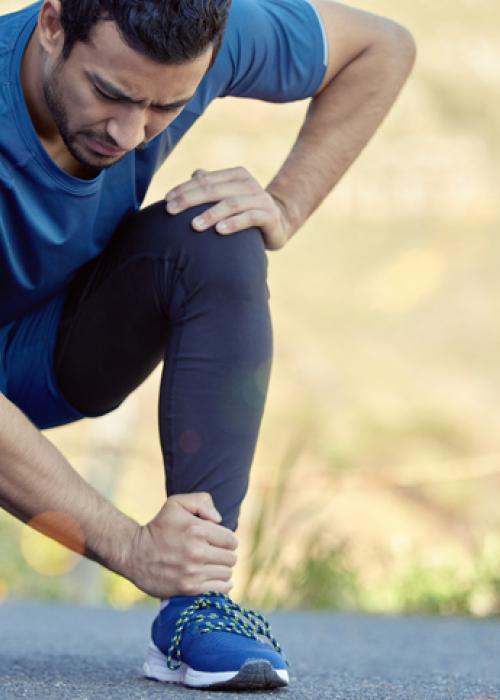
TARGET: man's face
(107,99)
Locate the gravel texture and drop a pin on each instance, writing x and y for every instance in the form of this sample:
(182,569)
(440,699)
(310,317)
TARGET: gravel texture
(73,653)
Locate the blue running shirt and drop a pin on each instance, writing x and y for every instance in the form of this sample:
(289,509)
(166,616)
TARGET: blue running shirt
(51,223)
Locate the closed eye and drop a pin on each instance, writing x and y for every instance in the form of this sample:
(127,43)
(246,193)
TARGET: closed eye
(167,109)
(104,96)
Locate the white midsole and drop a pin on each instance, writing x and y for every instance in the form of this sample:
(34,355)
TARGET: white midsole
(156,667)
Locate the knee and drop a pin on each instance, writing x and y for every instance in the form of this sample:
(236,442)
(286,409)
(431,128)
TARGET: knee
(235,264)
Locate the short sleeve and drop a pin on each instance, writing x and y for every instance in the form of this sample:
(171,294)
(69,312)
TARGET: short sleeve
(273,50)
(277,50)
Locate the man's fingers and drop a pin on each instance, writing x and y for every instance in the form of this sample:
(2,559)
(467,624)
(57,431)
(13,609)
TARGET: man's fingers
(217,586)
(214,176)
(210,187)
(248,219)
(200,173)
(205,193)
(199,504)
(219,536)
(217,573)
(249,205)
(220,557)
(237,173)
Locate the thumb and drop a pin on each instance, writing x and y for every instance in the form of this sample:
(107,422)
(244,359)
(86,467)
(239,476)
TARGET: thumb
(200,504)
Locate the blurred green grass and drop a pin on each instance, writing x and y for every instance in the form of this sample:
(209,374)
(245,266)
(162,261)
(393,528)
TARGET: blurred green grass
(376,475)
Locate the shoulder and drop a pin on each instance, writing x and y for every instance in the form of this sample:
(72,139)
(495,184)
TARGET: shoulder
(12,24)
(263,14)
(274,49)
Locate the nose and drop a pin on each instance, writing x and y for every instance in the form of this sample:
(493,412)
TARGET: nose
(128,130)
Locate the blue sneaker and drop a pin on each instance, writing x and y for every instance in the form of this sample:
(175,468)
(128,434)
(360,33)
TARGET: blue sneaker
(209,641)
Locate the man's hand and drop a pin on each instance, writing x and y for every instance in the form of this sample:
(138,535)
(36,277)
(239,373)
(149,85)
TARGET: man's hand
(182,551)
(241,203)
(369,59)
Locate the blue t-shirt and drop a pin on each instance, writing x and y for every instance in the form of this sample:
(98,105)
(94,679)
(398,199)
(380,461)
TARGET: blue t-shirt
(51,223)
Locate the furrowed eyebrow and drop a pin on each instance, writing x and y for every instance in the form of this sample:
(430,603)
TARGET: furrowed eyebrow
(118,94)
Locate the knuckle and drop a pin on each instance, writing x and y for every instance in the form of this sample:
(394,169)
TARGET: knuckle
(208,218)
(197,554)
(210,189)
(205,497)
(252,219)
(189,571)
(194,532)
(270,200)
(226,574)
(187,586)
(182,200)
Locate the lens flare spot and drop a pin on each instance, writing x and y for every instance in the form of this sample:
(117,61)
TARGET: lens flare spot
(190,441)
(4,591)
(253,385)
(262,374)
(412,278)
(43,554)
(120,593)
(243,396)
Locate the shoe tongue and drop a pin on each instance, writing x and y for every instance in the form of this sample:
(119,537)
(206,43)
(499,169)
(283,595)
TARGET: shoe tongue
(185,600)
(182,600)
(178,604)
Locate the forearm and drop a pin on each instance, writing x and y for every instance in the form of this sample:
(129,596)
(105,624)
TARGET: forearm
(339,123)
(39,486)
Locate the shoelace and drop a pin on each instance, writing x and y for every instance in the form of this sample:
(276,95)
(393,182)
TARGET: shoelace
(241,621)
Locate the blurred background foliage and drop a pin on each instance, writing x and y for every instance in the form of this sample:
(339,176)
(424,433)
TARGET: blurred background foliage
(376,478)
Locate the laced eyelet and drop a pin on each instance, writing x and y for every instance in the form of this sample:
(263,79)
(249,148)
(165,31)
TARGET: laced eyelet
(242,621)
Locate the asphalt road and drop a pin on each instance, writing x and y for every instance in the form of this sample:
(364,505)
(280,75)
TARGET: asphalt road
(71,653)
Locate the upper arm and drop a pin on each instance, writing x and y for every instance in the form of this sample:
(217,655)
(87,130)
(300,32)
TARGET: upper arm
(350,31)
(274,49)
(285,50)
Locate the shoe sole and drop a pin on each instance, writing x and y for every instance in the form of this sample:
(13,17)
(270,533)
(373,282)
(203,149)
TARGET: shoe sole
(253,675)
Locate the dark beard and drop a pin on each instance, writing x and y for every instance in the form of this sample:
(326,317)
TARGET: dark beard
(58,112)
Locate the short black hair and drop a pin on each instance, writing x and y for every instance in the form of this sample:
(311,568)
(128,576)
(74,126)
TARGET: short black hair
(167,31)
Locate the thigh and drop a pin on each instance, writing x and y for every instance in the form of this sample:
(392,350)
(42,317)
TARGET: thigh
(121,308)
(81,353)
(112,331)
(28,368)
(4,337)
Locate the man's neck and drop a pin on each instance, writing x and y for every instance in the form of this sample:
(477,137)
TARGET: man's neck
(32,84)
(43,123)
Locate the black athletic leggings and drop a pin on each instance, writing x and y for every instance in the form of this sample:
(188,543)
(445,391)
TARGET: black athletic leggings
(198,301)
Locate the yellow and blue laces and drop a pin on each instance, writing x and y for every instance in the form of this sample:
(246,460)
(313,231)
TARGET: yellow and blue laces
(240,620)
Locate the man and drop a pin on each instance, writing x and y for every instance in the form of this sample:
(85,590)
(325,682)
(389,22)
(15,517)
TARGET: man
(94,293)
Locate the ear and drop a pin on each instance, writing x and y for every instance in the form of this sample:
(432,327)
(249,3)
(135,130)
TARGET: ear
(50,30)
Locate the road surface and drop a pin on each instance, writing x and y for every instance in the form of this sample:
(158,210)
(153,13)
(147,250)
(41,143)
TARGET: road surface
(63,652)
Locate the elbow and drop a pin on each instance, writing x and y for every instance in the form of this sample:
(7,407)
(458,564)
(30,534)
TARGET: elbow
(407,46)
(399,45)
